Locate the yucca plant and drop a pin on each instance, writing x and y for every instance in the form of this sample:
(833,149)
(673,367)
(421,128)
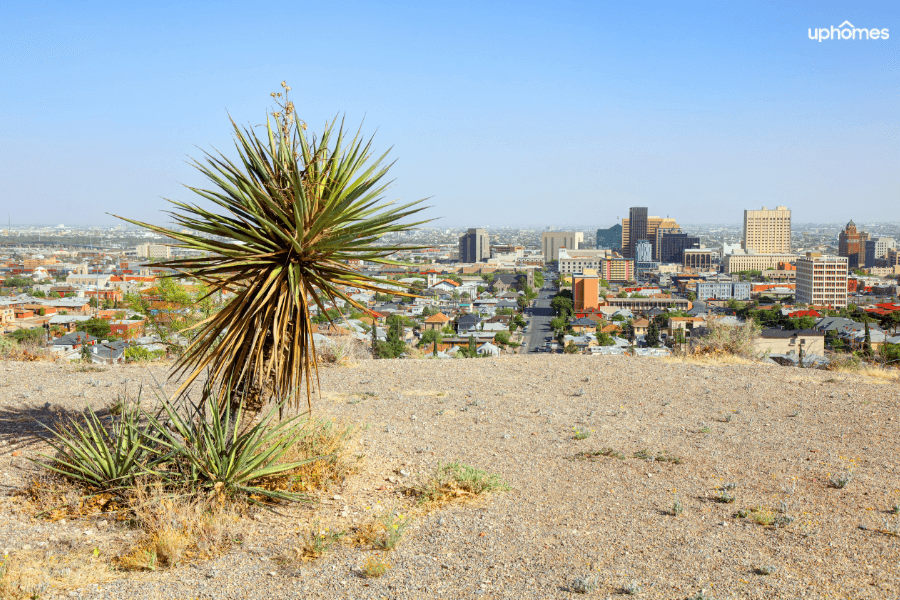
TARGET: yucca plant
(295,209)
(213,449)
(104,457)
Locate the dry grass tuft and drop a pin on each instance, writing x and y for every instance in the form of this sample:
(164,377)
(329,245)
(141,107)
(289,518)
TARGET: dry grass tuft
(33,574)
(375,566)
(54,498)
(851,364)
(326,447)
(179,528)
(456,482)
(710,360)
(727,340)
(341,350)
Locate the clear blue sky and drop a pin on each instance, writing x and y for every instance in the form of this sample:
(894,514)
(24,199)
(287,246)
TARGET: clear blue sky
(519,112)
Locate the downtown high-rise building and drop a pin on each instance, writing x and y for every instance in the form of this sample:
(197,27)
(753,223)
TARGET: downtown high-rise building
(640,226)
(852,246)
(767,231)
(822,280)
(552,241)
(474,246)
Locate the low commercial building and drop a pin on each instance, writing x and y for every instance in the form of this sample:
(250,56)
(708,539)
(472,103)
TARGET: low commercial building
(697,259)
(741,260)
(736,290)
(640,305)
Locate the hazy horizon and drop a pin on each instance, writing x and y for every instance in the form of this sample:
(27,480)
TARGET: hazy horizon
(499,112)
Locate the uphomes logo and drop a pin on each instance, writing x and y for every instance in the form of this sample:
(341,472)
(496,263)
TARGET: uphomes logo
(847,31)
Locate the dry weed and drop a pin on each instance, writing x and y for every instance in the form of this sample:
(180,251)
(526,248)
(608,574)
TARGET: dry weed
(375,566)
(341,350)
(455,482)
(326,448)
(32,574)
(851,364)
(727,340)
(178,528)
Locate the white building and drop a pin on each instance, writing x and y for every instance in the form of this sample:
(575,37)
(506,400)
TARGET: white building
(822,280)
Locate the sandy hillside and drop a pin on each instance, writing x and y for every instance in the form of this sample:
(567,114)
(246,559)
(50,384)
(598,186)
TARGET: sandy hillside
(778,434)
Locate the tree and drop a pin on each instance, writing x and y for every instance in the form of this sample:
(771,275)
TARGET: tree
(571,348)
(652,337)
(431,336)
(480,289)
(867,344)
(622,294)
(604,339)
(563,306)
(297,210)
(99,328)
(502,338)
(393,346)
(38,293)
(559,324)
(538,279)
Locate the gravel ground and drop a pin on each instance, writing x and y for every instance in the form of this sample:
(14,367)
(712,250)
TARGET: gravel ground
(777,433)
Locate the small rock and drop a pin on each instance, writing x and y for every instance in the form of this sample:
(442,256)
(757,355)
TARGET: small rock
(337,497)
(404,473)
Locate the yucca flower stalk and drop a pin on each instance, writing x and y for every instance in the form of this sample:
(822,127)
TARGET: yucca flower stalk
(295,209)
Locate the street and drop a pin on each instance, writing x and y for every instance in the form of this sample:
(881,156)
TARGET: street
(539,331)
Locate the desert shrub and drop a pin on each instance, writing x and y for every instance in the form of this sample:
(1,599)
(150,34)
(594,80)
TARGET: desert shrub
(139,354)
(177,527)
(728,339)
(341,350)
(456,481)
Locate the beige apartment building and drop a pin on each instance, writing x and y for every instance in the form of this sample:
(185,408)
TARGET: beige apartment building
(153,251)
(767,231)
(742,261)
(822,280)
(552,241)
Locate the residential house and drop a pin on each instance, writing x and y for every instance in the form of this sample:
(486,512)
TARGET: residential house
(506,282)
(640,327)
(683,325)
(72,341)
(127,328)
(489,349)
(108,353)
(583,325)
(790,342)
(467,322)
(436,321)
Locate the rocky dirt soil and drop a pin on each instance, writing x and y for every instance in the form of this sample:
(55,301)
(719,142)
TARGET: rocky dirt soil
(779,435)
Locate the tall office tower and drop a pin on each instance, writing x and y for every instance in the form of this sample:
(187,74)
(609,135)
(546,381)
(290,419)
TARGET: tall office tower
(637,229)
(767,231)
(671,244)
(852,245)
(638,226)
(822,280)
(552,241)
(610,238)
(474,246)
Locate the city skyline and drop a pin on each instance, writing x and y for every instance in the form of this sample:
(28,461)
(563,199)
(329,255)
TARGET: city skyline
(702,111)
